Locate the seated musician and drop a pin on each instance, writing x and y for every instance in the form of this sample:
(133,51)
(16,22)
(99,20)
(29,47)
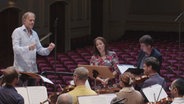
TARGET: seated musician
(8,93)
(151,67)
(64,99)
(147,50)
(128,93)
(80,76)
(102,56)
(177,91)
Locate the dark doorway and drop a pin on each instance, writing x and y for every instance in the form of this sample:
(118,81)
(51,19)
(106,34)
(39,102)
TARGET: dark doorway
(96,18)
(57,24)
(9,20)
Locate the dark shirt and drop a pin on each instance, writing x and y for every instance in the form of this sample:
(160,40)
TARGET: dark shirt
(9,95)
(142,55)
(154,79)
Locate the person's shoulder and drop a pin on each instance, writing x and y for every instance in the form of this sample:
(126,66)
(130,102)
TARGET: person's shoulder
(92,91)
(137,92)
(148,82)
(156,52)
(18,29)
(34,32)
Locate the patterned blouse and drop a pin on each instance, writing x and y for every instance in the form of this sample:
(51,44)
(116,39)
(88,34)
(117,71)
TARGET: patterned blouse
(111,60)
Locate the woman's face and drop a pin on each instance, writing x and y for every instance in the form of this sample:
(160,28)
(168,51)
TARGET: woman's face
(100,46)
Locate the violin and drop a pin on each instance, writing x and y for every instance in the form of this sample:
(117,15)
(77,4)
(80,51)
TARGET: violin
(107,90)
(52,99)
(167,100)
(140,79)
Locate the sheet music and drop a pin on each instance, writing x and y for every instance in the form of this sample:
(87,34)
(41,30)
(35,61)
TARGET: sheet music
(96,99)
(23,92)
(37,94)
(124,67)
(46,79)
(153,91)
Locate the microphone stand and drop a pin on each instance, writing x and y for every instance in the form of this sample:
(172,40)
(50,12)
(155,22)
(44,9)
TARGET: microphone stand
(179,20)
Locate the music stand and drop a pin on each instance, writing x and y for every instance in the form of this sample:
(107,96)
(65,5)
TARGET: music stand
(35,76)
(32,75)
(100,71)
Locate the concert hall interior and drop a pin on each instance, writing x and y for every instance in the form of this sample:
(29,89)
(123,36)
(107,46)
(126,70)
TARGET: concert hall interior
(73,25)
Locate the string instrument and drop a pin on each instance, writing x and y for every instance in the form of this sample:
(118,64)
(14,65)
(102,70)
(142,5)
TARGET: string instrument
(107,90)
(53,96)
(167,100)
(140,79)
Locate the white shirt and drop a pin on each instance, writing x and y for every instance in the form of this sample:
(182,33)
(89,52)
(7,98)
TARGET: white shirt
(25,59)
(178,100)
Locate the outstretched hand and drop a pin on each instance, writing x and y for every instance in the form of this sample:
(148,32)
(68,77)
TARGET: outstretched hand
(51,46)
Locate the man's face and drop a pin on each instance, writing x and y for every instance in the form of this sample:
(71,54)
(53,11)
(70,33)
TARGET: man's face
(144,47)
(173,89)
(29,21)
(146,69)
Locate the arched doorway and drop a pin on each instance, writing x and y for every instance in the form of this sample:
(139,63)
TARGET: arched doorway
(57,16)
(9,20)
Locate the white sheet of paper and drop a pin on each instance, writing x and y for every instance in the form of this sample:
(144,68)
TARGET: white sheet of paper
(33,95)
(37,94)
(23,92)
(96,99)
(153,91)
(124,67)
(86,84)
(46,79)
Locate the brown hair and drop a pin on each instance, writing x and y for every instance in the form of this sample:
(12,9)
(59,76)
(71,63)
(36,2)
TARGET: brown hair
(95,50)
(146,39)
(127,79)
(10,74)
(153,62)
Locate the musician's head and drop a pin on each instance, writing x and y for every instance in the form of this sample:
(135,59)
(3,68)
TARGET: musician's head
(64,99)
(80,75)
(146,43)
(11,76)
(177,88)
(100,46)
(151,65)
(126,79)
(28,20)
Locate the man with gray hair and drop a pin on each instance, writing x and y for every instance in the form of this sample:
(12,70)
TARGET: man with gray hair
(26,44)
(64,99)
(80,76)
